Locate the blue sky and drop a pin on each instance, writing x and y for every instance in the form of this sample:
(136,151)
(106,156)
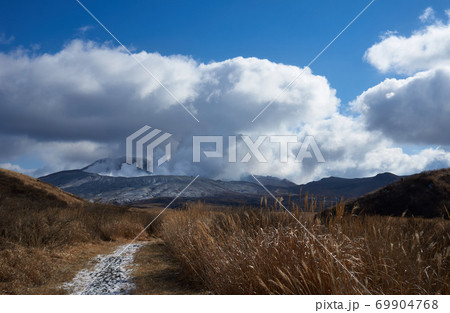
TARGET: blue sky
(209,32)
(289,32)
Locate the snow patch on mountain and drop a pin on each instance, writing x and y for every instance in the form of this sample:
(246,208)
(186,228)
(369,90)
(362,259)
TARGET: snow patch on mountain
(115,168)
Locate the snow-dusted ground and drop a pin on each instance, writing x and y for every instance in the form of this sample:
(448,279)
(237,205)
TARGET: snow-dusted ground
(111,274)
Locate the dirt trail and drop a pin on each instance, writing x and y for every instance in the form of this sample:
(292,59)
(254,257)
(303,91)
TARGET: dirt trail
(158,273)
(142,268)
(111,274)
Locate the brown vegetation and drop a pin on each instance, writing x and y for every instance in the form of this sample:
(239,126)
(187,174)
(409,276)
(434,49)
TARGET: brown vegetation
(39,222)
(21,187)
(425,194)
(264,252)
(222,250)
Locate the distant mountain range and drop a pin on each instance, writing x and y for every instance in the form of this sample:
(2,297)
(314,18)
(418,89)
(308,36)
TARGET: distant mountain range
(114,181)
(426,194)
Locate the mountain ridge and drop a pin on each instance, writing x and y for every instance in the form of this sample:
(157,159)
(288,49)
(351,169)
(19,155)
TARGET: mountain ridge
(426,194)
(128,190)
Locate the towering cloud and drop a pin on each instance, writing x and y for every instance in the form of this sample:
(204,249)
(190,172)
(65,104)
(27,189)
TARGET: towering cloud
(78,105)
(413,110)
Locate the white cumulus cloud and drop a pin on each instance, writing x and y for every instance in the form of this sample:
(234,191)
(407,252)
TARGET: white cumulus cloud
(412,110)
(424,49)
(78,105)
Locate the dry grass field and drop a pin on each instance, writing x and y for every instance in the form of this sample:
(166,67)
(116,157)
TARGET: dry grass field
(41,226)
(46,235)
(269,252)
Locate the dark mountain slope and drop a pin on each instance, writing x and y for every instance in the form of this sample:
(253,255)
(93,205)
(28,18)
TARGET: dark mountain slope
(426,195)
(348,187)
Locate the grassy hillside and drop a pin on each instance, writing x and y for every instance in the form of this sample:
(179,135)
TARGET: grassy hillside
(270,251)
(422,195)
(241,250)
(39,222)
(19,187)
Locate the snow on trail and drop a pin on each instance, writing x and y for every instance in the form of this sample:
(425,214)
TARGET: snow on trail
(110,276)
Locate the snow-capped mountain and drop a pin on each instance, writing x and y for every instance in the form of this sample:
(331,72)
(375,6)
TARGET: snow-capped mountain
(116,167)
(134,189)
(112,180)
